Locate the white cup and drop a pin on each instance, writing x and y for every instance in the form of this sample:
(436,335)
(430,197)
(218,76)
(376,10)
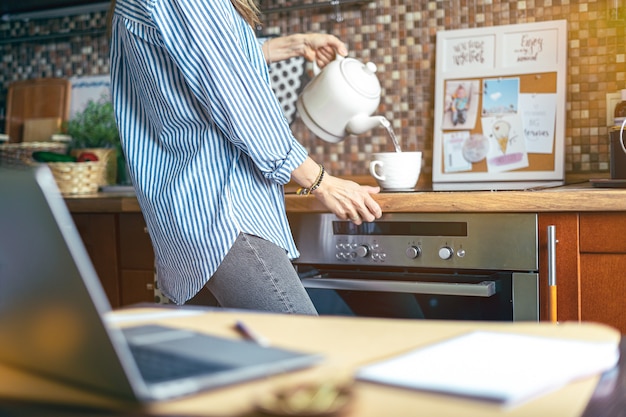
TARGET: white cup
(396,170)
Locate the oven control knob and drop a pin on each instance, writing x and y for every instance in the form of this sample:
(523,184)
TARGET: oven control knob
(362,251)
(413,252)
(446,252)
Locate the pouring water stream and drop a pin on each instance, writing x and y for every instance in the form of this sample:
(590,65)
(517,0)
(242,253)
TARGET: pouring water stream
(385,123)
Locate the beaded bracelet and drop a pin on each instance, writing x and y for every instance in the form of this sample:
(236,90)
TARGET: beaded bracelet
(316,184)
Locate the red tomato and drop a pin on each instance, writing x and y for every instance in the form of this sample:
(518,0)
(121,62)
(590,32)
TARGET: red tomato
(87,157)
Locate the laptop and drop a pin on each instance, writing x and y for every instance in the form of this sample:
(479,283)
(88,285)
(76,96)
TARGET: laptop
(52,309)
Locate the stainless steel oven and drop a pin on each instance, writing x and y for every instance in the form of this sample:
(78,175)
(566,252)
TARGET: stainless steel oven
(457,266)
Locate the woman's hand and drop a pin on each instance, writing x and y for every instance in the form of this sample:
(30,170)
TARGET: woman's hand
(322,48)
(346,199)
(349,200)
(319,47)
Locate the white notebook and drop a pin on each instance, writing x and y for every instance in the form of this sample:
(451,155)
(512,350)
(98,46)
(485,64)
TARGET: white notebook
(503,367)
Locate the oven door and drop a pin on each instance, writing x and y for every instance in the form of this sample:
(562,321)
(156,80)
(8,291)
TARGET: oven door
(493,296)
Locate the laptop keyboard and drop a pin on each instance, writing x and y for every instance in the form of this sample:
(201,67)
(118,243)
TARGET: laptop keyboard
(158,366)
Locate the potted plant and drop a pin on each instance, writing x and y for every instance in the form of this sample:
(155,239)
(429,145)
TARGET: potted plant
(93,130)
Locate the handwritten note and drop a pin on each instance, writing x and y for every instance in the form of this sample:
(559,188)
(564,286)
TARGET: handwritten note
(476,52)
(538,117)
(531,48)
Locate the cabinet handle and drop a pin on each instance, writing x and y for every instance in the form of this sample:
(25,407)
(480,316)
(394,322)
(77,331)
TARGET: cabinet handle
(149,286)
(552,241)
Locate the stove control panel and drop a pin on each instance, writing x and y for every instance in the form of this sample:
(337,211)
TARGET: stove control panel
(499,241)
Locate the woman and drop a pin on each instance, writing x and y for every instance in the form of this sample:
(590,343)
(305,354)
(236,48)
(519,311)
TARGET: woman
(209,149)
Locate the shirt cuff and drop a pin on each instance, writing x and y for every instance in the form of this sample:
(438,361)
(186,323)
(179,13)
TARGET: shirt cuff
(283,168)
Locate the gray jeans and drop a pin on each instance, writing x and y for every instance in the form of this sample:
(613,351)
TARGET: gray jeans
(257,274)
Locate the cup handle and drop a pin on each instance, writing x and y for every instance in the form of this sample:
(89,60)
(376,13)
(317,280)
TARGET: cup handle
(374,165)
(621,136)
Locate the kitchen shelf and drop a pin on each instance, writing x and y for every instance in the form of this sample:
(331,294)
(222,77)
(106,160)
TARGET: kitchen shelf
(53,36)
(316,5)
(335,4)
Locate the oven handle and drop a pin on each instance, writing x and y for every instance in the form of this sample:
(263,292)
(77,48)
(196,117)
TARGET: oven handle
(481,289)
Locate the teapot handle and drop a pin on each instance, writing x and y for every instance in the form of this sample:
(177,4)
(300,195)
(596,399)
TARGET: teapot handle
(317,69)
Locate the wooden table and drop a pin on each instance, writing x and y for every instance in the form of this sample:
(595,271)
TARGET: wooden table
(346,343)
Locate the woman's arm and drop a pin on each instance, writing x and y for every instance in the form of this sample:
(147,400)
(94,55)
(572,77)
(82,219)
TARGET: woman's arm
(312,46)
(346,199)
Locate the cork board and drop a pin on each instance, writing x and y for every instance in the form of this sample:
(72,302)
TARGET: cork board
(500,107)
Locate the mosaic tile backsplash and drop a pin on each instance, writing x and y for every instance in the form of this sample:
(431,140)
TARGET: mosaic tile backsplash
(399,36)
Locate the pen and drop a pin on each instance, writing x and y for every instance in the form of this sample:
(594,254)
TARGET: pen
(249,334)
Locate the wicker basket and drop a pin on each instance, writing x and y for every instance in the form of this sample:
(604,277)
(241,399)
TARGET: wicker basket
(106,155)
(78,177)
(22,153)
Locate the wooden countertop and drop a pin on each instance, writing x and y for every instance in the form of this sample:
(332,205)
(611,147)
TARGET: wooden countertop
(571,198)
(578,197)
(123,202)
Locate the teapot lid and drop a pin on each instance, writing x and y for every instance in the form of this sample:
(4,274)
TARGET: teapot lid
(361,77)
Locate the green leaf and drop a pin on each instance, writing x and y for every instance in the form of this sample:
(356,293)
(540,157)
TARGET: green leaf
(94,126)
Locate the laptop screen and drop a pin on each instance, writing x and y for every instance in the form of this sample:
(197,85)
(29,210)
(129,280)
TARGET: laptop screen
(52,306)
(51,300)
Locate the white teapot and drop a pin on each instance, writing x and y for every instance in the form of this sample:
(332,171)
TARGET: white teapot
(340,100)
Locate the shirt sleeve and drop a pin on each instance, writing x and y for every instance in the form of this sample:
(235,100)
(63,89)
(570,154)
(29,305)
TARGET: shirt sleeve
(225,69)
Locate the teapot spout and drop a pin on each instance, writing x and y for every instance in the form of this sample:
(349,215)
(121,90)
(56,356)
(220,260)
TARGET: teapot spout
(361,123)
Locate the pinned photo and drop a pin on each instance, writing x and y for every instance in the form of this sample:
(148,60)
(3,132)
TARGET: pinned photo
(500,96)
(461,104)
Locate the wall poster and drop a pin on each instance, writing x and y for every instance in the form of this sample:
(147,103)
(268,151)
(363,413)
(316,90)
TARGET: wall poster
(500,107)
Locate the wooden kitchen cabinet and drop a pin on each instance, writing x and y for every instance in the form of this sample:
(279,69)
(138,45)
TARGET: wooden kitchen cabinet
(136,260)
(121,252)
(99,234)
(590,266)
(603,233)
(603,268)
(136,286)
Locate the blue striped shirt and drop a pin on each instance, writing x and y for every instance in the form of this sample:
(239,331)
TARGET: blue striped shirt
(207,144)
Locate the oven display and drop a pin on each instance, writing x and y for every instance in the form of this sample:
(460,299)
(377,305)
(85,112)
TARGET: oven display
(396,228)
